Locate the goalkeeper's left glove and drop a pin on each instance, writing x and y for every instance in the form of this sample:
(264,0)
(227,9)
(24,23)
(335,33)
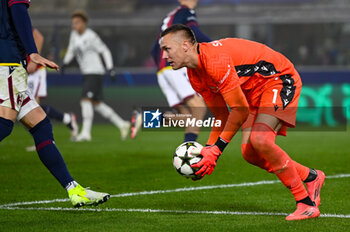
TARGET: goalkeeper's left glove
(112,74)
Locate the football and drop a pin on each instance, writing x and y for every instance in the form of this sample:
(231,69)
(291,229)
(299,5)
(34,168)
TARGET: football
(183,159)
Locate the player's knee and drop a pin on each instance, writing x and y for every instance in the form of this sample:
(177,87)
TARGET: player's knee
(253,157)
(86,100)
(261,138)
(96,103)
(42,131)
(259,142)
(248,153)
(6,127)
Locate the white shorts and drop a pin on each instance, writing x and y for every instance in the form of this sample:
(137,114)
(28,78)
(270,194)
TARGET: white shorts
(37,83)
(175,85)
(14,92)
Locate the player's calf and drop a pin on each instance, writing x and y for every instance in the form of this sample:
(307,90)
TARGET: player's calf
(6,127)
(48,152)
(252,157)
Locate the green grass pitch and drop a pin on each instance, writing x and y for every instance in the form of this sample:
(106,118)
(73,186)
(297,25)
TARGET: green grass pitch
(145,164)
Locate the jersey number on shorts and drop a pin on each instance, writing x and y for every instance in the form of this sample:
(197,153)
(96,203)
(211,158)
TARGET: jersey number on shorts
(275,91)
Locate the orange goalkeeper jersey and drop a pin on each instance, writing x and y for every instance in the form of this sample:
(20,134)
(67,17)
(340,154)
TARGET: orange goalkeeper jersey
(227,63)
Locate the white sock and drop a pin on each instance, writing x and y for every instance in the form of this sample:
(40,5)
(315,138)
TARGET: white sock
(87,111)
(108,113)
(66,118)
(71,185)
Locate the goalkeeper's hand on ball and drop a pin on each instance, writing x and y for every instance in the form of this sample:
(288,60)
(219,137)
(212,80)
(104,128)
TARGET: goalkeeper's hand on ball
(207,164)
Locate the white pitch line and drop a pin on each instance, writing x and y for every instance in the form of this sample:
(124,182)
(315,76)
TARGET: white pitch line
(186,189)
(168,211)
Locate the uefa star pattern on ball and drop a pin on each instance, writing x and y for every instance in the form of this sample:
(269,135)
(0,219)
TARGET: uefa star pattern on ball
(183,159)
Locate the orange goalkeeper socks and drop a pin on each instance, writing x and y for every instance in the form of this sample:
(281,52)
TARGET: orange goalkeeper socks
(252,157)
(302,170)
(263,141)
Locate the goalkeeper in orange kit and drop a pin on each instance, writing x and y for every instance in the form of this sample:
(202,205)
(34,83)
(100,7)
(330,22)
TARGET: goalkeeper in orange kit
(262,89)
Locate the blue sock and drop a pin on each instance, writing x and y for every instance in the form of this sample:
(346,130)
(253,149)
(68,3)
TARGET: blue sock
(190,137)
(53,113)
(6,127)
(48,152)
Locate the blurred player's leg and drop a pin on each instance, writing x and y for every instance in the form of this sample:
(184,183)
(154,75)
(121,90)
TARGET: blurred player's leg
(180,85)
(87,112)
(55,114)
(108,113)
(73,126)
(191,133)
(92,98)
(198,110)
(136,123)
(91,91)
(68,119)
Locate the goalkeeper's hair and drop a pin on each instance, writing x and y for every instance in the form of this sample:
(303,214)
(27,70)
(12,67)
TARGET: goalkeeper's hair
(80,14)
(186,32)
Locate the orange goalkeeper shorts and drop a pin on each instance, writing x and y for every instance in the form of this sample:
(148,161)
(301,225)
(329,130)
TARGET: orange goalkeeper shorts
(278,97)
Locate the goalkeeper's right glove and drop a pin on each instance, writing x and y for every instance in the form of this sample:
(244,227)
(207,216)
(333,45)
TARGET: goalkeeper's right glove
(208,162)
(210,156)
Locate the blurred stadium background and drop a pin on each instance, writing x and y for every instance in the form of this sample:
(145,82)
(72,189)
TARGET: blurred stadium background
(313,34)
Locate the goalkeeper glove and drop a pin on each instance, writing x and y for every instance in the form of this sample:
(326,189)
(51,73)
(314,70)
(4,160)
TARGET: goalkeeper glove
(208,162)
(210,156)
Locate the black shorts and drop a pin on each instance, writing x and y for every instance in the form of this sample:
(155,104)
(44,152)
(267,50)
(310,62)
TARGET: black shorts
(93,87)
